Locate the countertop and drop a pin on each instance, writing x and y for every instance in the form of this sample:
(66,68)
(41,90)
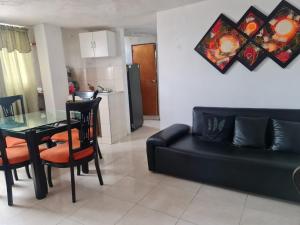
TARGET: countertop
(110,93)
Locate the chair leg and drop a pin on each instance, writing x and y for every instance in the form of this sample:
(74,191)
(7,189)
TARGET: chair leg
(73,184)
(78,170)
(98,170)
(49,176)
(16,174)
(28,172)
(98,150)
(9,179)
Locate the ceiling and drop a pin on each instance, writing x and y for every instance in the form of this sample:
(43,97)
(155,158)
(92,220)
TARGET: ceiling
(135,15)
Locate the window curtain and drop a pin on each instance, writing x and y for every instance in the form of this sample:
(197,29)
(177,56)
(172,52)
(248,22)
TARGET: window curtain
(18,73)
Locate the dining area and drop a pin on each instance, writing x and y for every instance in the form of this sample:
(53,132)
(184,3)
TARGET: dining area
(37,142)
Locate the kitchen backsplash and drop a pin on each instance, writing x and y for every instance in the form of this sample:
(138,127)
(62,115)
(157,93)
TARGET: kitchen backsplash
(106,73)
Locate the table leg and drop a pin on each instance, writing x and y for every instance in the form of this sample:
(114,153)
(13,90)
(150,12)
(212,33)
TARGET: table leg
(39,176)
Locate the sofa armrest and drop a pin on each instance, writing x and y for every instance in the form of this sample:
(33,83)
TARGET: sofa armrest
(163,139)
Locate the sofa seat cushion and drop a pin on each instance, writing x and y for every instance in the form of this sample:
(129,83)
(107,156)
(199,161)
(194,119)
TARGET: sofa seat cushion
(195,146)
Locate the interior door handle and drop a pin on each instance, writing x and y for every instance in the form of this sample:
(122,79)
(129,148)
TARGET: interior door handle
(154,81)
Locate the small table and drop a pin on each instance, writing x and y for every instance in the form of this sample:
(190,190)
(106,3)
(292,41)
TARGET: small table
(35,128)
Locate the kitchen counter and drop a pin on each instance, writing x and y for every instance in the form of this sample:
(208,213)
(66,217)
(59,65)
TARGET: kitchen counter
(112,122)
(111,114)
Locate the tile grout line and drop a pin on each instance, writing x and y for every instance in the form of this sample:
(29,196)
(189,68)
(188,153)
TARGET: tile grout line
(244,208)
(197,192)
(127,212)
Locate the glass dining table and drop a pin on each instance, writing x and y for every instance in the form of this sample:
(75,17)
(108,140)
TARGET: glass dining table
(36,128)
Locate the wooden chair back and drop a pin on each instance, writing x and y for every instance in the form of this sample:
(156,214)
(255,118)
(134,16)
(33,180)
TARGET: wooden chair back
(86,112)
(10,104)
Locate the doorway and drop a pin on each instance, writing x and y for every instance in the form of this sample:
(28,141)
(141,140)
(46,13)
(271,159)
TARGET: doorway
(145,56)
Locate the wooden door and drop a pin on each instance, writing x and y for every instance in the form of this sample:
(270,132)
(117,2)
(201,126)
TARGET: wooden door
(145,56)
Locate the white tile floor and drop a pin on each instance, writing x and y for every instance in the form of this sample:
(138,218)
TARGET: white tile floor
(134,196)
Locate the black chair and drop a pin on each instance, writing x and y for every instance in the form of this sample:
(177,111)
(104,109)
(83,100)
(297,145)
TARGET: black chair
(76,152)
(88,95)
(12,158)
(9,106)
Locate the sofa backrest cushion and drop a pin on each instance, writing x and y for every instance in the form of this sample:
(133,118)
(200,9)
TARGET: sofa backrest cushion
(286,136)
(250,131)
(279,114)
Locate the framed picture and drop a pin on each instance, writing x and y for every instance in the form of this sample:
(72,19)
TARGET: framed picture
(251,54)
(252,22)
(221,44)
(280,36)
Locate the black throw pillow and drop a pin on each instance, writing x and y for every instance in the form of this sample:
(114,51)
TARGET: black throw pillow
(217,128)
(286,136)
(250,132)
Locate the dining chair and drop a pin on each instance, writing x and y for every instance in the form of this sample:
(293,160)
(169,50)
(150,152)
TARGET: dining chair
(12,158)
(76,152)
(9,107)
(63,136)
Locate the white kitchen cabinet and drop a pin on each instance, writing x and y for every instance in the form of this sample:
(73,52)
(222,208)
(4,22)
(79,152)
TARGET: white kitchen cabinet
(86,45)
(98,44)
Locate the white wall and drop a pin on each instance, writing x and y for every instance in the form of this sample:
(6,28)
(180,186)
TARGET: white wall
(72,55)
(136,40)
(52,66)
(187,80)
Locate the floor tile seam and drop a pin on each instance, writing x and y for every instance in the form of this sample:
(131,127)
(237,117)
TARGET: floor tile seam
(126,213)
(152,190)
(244,209)
(185,221)
(68,218)
(157,210)
(195,195)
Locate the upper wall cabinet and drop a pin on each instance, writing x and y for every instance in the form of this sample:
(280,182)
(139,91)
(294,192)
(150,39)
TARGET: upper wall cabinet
(97,44)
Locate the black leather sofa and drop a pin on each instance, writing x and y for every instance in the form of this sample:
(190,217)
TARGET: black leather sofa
(179,152)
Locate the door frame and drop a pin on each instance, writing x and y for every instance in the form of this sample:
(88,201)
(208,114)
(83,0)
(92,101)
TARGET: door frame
(157,80)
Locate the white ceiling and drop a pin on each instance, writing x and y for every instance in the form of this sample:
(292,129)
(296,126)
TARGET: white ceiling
(136,15)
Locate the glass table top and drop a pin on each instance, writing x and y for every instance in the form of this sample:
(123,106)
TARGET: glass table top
(28,121)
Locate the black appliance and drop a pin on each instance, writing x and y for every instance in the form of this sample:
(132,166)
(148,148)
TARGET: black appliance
(135,96)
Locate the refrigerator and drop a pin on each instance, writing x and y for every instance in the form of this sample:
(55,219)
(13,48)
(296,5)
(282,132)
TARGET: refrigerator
(135,96)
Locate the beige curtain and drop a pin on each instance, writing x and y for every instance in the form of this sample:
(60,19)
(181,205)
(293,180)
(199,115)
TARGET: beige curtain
(17,66)
(14,38)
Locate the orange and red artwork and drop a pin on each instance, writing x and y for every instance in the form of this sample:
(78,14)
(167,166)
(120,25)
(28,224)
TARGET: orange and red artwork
(253,38)
(251,54)
(221,44)
(280,36)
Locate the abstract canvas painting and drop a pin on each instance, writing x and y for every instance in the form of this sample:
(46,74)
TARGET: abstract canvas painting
(253,38)
(280,36)
(221,44)
(251,22)
(251,54)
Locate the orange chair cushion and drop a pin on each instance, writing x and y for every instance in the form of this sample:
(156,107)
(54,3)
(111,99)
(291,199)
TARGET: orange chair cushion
(60,153)
(63,136)
(12,141)
(18,154)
